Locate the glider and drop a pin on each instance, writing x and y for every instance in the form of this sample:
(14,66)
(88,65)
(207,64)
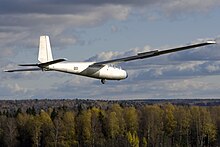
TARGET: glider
(100,70)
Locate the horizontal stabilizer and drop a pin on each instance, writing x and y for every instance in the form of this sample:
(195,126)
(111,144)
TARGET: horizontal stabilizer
(27,69)
(40,66)
(50,63)
(44,64)
(27,64)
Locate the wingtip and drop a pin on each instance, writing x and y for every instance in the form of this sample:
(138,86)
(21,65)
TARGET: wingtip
(211,42)
(7,71)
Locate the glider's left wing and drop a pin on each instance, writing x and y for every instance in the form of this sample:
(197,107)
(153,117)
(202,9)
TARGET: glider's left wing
(153,53)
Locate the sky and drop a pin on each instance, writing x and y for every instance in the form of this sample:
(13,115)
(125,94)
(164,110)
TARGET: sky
(97,30)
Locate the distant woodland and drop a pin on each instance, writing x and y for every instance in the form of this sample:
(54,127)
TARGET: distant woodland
(90,123)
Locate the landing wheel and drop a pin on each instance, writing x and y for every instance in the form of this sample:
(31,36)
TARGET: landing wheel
(103,81)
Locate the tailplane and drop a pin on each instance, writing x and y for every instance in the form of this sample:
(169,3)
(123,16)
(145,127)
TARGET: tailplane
(45,53)
(45,57)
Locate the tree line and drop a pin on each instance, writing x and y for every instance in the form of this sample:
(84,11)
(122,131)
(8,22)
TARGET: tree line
(146,126)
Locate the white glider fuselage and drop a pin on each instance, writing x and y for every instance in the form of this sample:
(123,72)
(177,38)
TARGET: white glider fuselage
(86,69)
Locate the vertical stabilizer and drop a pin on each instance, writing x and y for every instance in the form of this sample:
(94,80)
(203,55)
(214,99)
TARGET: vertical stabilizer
(45,54)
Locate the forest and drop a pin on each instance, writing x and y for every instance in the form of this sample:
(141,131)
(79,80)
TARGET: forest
(110,124)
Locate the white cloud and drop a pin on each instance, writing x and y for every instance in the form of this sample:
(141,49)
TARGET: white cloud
(11,90)
(185,85)
(92,17)
(114,29)
(21,31)
(6,52)
(180,6)
(215,67)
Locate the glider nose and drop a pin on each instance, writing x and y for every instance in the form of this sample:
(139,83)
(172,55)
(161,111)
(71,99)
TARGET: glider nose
(126,75)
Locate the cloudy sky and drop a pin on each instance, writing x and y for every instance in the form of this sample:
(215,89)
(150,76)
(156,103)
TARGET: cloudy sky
(97,30)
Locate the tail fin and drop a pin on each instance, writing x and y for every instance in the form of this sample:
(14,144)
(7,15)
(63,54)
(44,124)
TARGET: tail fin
(45,54)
